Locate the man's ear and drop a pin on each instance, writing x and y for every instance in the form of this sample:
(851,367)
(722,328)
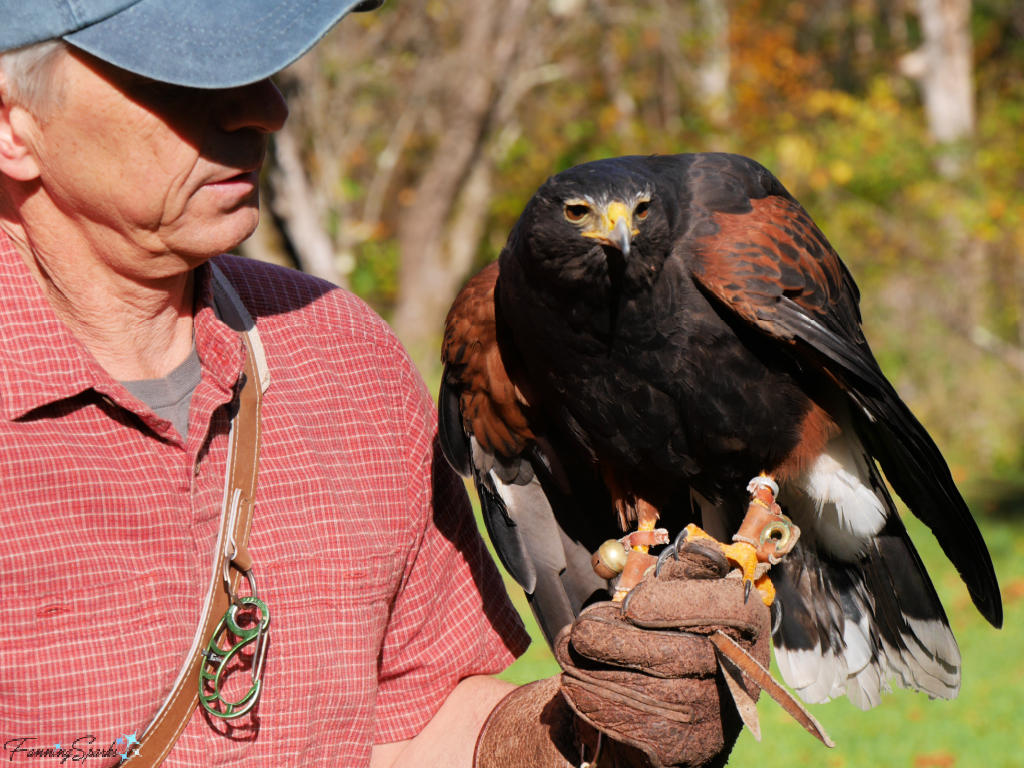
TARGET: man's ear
(17,161)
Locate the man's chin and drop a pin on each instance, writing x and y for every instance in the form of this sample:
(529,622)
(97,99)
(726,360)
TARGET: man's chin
(219,237)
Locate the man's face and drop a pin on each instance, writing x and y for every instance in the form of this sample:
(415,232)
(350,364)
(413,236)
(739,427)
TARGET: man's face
(166,169)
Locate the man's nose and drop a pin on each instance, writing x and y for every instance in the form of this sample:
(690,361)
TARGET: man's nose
(258,105)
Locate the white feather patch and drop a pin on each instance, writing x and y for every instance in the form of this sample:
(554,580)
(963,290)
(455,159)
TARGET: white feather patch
(504,491)
(927,662)
(849,511)
(816,678)
(865,690)
(937,637)
(858,647)
(799,668)
(782,660)
(831,681)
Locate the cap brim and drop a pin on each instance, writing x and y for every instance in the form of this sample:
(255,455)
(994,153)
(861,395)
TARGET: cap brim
(206,44)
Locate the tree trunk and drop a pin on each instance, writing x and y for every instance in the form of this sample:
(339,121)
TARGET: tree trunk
(944,67)
(427,280)
(614,82)
(713,73)
(296,205)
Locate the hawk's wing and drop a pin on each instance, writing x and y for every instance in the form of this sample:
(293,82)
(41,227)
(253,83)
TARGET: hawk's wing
(774,268)
(544,509)
(859,606)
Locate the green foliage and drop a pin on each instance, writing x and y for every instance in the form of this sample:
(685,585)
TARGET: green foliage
(375,277)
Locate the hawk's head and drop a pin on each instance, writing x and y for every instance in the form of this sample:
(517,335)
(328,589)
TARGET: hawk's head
(597,226)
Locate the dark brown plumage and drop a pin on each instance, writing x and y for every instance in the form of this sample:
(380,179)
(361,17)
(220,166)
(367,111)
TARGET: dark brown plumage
(658,331)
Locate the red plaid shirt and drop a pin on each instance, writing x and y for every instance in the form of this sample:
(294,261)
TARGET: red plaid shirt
(365,548)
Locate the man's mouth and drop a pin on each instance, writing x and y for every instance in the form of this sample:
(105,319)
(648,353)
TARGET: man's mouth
(241,183)
(250,177)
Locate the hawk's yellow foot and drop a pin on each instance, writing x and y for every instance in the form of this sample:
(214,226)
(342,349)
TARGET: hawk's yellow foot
(744,556)
(766,588)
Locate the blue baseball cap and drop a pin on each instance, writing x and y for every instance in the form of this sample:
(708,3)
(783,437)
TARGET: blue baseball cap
(198,43)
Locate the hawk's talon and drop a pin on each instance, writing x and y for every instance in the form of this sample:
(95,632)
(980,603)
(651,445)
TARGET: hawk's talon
(740,554)
(744,556)
(672,550)
(669,551)
(625,602)
(695,532)
(680,538)
(776,609)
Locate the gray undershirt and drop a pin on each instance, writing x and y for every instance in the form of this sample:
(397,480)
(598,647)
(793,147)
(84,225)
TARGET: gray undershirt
(170,396)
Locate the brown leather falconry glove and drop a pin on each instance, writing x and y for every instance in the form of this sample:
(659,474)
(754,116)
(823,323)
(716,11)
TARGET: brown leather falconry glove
(642,673)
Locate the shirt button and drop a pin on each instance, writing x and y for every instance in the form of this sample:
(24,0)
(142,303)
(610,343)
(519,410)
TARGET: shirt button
(197,469)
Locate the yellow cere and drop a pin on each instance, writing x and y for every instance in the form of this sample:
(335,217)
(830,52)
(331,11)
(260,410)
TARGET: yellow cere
(616,210)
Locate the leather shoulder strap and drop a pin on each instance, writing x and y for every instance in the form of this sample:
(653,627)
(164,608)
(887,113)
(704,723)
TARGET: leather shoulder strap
(232,311)
(232,541)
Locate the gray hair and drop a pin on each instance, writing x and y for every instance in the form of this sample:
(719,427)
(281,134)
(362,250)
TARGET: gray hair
(31,75)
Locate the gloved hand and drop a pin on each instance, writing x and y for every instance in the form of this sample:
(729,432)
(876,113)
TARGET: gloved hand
(643,673)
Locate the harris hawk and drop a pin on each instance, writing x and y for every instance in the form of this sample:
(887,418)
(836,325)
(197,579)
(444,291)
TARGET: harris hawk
(657,331)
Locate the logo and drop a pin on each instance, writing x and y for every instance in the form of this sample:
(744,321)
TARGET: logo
(26,748)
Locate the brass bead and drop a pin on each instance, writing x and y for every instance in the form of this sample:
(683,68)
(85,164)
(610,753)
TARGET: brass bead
(609,560)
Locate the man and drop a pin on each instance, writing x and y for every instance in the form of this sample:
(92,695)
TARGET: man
(130,147)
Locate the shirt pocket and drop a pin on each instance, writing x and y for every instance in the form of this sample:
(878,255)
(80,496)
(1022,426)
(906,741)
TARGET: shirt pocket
(89,660)
(328,619)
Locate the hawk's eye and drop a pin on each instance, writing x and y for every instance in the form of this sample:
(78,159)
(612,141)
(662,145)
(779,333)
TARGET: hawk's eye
(641,210)
(576,212)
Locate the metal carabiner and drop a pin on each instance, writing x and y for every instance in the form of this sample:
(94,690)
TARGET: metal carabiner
(217,659)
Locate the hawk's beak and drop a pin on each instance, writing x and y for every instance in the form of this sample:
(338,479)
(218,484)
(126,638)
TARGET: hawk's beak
(620,236)
(616,224)
(615,228)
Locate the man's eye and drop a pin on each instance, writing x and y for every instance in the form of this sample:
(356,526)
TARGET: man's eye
(576,212)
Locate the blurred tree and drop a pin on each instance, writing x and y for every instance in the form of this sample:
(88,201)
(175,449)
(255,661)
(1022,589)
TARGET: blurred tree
(302,212)
(944,66)
(428,276)
(423,129)
(713,74)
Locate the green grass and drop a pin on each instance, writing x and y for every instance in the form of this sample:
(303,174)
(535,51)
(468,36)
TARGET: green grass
(980,728)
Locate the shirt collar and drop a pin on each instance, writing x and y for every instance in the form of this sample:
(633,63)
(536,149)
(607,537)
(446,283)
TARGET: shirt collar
(41,362)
